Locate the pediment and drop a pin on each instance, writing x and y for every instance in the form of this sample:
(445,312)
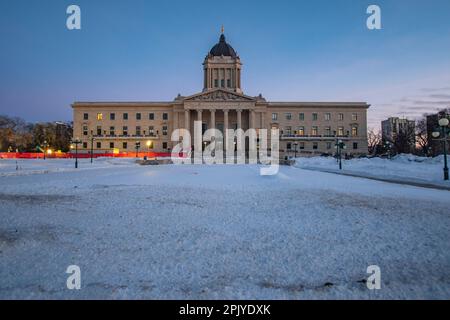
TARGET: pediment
(219,95)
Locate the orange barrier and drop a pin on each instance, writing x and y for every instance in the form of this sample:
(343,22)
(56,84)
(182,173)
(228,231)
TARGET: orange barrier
(58,155)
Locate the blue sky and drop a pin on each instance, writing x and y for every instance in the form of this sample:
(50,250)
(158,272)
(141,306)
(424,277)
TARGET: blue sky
(142,50)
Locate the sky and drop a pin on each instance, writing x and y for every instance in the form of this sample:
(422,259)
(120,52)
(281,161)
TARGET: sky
(297,50)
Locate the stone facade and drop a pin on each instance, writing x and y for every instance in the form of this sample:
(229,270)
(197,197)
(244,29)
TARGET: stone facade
(310,128)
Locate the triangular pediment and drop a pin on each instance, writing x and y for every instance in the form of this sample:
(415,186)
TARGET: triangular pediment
(219,95)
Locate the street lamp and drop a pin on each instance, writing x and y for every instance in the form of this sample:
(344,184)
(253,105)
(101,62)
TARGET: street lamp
(339,146)
(138,145)
(76,142)
(45,145)
(92,146)
(443,131)
(295,149)
(388,147)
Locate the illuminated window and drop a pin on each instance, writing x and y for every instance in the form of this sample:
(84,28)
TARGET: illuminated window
(354,131)
(315,131)
(301,131)
(340,131)
(99,116)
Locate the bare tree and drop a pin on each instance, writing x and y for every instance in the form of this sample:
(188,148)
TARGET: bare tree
(374,140)
(422,135)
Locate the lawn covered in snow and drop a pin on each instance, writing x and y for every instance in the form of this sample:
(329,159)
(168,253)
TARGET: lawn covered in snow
(403,167)
(216,232)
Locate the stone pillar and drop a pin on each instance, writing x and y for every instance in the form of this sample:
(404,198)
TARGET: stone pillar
(199,115)
(251,119)
(239,119)
(225,121)
(186,119)
(263,120)
(213,118)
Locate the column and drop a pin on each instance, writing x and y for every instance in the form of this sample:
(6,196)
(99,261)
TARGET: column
(213,118)
(239,119)
(251,119)
(225,121)
(263,120)
(199,115)
(186,119)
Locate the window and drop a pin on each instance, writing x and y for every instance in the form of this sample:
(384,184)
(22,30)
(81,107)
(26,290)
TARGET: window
(84,145)
(151,116)
(301,116)
(99,116)
(138,116)
(341,117)
(125,130)
(112,116)
(302,146)
(112,131)
(138,130)
(288,116)
(99,145)
(222,83)
(216,83)
(151,131)
(125,145)
(315,131)
(354,131)
(328,131)
(327,116)
(315,145)
(328,145)
(301,131)
(229,83)
(99,130)
(111,145)
(164,130)
(164,145)
(85,130)
(165,116)
(355,145)
(354,117)
(274,116)
(315,116)
(340,131)
(86,116)
(125,116)
(288,146)
(288,131)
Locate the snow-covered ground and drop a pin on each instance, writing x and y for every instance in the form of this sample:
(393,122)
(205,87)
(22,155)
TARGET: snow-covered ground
(216,232)
(402,167)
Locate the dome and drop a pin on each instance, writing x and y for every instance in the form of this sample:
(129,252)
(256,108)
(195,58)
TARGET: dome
(223,49)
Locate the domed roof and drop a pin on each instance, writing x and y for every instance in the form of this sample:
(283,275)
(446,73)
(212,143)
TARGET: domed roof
(223,49)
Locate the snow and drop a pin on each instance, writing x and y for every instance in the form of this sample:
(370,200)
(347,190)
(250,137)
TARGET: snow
(402,167)
(216,232)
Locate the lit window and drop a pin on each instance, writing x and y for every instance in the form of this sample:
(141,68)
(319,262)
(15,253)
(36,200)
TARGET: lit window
(340,131)
(99,116)
(314,131)
(301,131)
(354,131)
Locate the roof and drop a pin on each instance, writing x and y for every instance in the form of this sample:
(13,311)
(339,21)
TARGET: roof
(223,49)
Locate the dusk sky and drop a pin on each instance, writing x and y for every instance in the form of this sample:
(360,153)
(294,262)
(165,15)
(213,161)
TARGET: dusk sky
(142,50)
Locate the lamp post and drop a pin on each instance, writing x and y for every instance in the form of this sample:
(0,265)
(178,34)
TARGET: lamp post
(92,146)
(45,145)
(138,145)
(340,145)
(295,149)
(443,131)
(76,142)
(388,147)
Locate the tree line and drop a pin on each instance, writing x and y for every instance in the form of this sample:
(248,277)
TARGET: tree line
(17,135)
